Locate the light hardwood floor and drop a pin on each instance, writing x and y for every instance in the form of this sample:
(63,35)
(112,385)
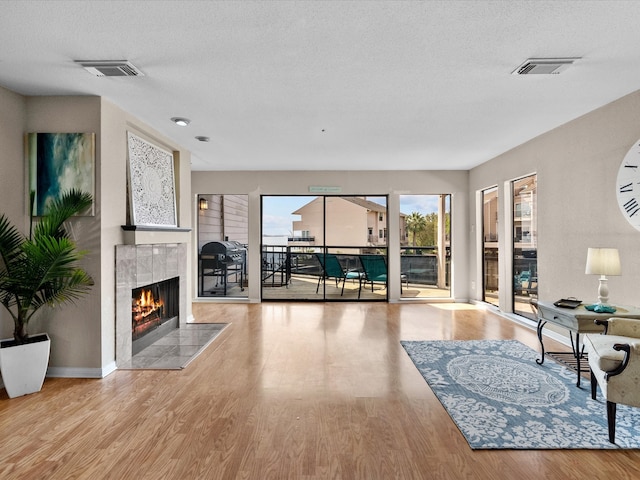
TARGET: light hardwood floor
(287,391)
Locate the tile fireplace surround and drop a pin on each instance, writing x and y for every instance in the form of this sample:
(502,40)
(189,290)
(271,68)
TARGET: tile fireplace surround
(140,265)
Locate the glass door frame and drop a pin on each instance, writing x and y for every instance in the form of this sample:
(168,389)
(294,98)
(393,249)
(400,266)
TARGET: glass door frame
(306,258)
(486,222)
(525,282)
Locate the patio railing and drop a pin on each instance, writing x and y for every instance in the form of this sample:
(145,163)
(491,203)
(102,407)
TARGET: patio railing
(418,265)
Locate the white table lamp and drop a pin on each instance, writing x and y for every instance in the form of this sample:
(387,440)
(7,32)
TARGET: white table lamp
(603,262)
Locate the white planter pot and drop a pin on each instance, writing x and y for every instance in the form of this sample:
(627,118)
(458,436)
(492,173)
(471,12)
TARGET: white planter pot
(24,367)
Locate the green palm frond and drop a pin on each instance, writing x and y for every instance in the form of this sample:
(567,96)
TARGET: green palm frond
(10,241)
(43,269)
(69,204)
(50,272)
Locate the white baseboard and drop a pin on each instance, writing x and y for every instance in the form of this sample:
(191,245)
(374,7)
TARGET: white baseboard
(74,372)
(524,321)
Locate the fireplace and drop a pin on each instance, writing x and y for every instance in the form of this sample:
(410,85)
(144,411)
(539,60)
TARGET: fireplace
(155,309)
(138,266)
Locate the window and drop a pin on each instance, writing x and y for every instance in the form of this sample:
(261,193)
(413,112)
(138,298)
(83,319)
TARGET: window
(525,249)
(490,245)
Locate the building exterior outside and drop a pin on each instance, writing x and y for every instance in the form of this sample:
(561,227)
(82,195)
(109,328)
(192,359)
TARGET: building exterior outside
(349,221)
(226,217)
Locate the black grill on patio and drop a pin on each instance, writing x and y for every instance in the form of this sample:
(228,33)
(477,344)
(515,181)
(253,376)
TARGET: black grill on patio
(225,262)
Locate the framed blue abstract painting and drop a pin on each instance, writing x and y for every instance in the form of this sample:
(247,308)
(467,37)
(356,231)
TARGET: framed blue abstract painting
(59,162)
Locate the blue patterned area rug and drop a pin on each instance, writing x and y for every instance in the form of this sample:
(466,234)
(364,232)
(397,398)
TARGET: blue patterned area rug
(500,398)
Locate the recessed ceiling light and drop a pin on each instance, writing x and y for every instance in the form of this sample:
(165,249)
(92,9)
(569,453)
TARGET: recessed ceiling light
(202,139)
(183,122)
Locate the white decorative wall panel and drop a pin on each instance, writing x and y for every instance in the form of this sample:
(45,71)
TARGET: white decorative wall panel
(151,184)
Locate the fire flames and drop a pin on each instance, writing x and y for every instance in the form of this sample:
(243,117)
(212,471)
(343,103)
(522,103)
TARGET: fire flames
(145,306)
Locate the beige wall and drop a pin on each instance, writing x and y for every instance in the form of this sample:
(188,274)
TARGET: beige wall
(577,166)
(12,173)
(83,334)
(391,183)
(75,330)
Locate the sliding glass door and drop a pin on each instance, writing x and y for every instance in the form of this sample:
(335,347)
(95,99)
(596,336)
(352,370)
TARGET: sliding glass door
(425,247)
(290,244)
(324,248)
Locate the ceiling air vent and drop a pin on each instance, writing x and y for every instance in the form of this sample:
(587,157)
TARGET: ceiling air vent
(111,68)
(544,66)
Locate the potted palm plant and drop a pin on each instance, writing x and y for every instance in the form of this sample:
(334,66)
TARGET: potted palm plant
(37,270)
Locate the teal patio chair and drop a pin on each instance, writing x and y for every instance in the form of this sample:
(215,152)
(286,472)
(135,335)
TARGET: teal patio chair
(331,268)
(374,269)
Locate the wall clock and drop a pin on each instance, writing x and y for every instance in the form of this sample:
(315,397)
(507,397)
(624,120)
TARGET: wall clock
(628,186)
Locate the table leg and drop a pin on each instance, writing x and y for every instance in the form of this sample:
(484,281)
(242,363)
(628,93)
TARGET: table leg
(577,353)
(541,324)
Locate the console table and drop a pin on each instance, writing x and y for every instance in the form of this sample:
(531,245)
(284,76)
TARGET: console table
(577,320)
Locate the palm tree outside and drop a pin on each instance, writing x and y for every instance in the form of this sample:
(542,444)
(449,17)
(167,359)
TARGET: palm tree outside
(416,222)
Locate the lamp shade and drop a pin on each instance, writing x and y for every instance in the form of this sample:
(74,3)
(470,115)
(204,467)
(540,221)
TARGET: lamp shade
(603,261)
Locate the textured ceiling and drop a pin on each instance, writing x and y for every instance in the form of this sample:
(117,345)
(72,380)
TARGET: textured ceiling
(326,85)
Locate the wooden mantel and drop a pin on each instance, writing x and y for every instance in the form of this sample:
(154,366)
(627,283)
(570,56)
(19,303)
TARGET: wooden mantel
(148,234)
